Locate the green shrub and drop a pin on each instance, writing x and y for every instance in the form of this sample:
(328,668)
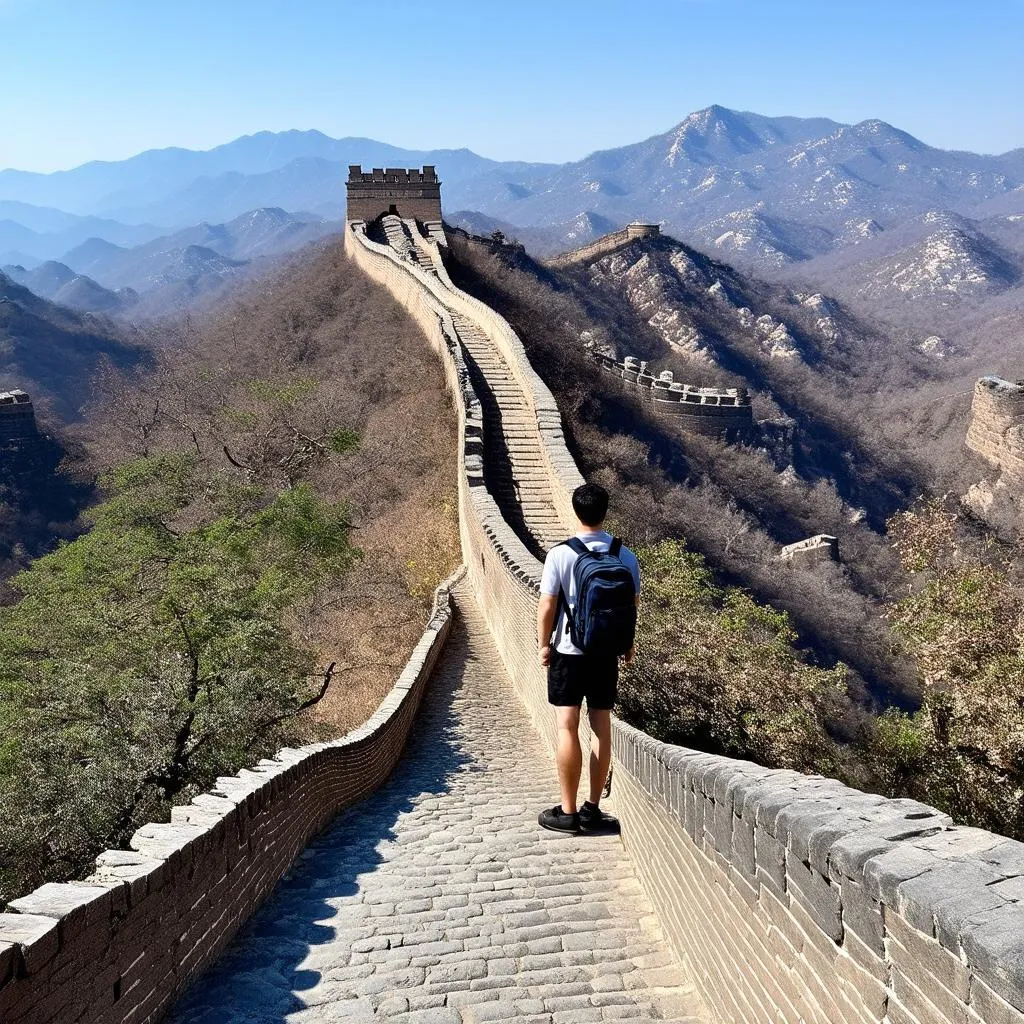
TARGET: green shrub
(152,654)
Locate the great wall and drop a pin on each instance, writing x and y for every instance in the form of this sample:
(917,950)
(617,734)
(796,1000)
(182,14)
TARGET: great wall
(606,243)
(736,894)
(716,412)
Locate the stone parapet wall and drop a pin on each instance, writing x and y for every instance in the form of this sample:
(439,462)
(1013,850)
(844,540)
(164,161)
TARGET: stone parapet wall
(795,898)
(715,412)
(604,244)
(791,898)
(123,945)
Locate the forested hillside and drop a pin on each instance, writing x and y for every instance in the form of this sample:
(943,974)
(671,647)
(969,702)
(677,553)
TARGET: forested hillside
(815,469)
(277,505)
(885,668)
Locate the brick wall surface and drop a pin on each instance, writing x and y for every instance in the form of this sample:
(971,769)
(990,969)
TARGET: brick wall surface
(123,945)
(790,897)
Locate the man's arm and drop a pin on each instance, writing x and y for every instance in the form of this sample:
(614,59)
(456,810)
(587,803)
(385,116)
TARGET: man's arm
(630,654)
(547,609)
(635,570)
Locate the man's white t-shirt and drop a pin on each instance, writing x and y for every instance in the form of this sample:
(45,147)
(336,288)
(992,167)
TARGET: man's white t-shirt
(557,578)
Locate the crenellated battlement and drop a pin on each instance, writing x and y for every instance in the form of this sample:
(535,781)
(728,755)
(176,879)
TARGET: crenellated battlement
(17,418)
(405,192)
(715,412)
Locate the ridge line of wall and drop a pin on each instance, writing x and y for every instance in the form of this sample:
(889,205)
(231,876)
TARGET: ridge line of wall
(563,474)
(605,244)
(788,897)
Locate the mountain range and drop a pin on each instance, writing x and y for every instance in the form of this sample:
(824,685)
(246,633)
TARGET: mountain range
(168,271)
(765,190)
(301,170)
(866,211)
(741,182)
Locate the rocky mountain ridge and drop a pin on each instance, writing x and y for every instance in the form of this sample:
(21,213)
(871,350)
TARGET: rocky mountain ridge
(58,283)
(827,180)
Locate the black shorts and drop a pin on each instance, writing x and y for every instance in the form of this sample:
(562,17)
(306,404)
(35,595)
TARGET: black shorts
(573,677)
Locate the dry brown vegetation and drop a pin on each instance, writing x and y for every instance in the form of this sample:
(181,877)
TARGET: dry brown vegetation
(925,606)
(314,374)
(730,502)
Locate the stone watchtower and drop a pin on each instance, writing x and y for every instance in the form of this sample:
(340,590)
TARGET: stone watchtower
(17,418)
(407,193)
(996,430)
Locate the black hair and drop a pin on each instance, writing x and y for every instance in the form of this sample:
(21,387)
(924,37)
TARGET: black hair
(590,503)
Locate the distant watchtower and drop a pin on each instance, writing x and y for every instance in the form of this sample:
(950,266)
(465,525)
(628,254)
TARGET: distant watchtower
(408,193)
(17,418)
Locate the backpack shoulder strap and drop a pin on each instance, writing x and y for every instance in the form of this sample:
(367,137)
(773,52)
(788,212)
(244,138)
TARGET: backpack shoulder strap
(615,547)
(577,545)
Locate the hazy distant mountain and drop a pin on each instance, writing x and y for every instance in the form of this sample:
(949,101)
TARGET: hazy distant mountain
(60,284)
(52,351)
(260,232)
(42,233)
(170,179)
(218,249)
(147,266)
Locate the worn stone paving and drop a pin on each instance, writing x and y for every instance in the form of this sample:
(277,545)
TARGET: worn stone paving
(441,900)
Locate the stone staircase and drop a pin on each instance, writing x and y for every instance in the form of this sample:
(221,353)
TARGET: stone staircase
(513,467)
(403,241)
(512,463)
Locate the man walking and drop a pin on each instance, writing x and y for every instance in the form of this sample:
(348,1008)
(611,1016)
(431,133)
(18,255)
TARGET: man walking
(586,619)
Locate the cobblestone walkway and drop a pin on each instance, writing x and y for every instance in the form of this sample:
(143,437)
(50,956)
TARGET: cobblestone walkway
(440,899)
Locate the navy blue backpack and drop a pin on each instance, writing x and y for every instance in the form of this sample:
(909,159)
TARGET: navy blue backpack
(604,619)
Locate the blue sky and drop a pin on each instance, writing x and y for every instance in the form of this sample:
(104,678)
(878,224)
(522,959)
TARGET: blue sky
(554,80)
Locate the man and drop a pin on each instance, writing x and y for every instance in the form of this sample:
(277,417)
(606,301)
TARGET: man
(575,676)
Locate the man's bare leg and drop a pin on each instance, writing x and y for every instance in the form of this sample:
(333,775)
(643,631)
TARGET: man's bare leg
(569,756)
(600,752)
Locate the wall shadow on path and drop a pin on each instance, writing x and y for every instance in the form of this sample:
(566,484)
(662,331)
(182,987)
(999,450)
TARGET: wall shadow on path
(259,978)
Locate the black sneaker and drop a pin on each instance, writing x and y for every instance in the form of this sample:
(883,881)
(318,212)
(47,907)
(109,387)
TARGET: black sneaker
(594,820)
(557,820)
